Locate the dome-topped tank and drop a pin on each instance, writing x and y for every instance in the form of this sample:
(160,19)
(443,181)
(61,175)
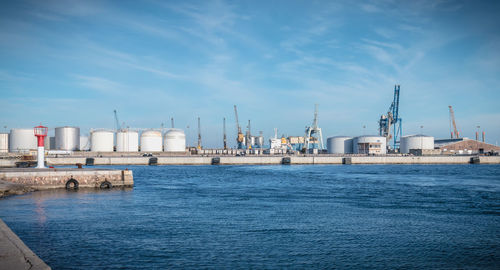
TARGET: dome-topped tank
(416,142)
(151,141)
(175,141)
(102,141)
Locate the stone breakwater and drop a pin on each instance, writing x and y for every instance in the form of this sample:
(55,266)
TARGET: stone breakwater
(18,181)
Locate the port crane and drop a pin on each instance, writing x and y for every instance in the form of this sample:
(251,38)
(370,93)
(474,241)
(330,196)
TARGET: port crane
(240,139)
(314,129)
(455,132)
(248,137)
(224,130)
(117,122)
(387,121)
(199,134)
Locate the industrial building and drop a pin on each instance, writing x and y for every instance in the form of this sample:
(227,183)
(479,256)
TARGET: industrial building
(464,146)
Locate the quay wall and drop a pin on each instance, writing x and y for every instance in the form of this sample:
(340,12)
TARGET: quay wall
(260,159)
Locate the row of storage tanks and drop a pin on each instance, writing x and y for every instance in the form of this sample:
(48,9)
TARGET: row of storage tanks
(69,139)
(358,145)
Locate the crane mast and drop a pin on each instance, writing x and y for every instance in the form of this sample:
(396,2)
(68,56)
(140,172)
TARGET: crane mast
(455,132)
(240,139)
(224,130)
(199,134)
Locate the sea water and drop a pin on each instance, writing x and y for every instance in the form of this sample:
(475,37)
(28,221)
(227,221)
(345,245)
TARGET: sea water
(273,217)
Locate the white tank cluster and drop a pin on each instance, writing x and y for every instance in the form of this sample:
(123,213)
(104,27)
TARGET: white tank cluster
(102,141)
(4,142)
(369,144)
(416,142)
(339,145)
(67,138)
(151,141)
(175,141)
(127,141)
(22,140)
(366,144)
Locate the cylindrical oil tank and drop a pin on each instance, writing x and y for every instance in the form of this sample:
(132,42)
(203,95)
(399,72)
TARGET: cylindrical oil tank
(4,142)
(102,141)
(175,141)
(369,144)
(339,145)
(67,138)
(151,141)
(84,143)
(260,141)
(127,141)
(416,142)
(51,143)
(22,139)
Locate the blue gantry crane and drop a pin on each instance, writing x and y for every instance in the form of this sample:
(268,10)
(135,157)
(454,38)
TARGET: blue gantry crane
(387,121)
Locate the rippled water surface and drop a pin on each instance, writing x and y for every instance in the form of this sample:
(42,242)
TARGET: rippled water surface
(418,216)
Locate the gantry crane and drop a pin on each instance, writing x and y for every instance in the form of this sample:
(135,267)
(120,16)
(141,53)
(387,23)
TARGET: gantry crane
(392,119)
(240,139)
(314,129)
(452,121)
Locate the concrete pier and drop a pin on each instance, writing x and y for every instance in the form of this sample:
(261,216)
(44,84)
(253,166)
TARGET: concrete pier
(16,180)
(14,254)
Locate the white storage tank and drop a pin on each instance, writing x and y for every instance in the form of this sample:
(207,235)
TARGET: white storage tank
(102,141)
(4,142)
(67,138)
(151,141)
(369,144)
(84,143)
(175,141)
(127,141)
(22,140)
(339,145)
(416,142)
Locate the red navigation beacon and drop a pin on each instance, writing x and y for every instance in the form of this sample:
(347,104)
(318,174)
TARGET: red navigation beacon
(41,133)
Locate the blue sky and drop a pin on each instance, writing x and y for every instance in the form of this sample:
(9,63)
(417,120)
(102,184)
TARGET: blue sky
(73,62)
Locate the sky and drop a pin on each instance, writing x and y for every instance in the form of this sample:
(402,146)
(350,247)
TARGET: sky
(71,63)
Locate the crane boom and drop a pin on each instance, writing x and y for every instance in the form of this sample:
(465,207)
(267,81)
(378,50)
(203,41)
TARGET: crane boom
(240,137)
(117,123)
(452,120)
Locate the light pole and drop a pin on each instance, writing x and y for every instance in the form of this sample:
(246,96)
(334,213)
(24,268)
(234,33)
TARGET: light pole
(421,137)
